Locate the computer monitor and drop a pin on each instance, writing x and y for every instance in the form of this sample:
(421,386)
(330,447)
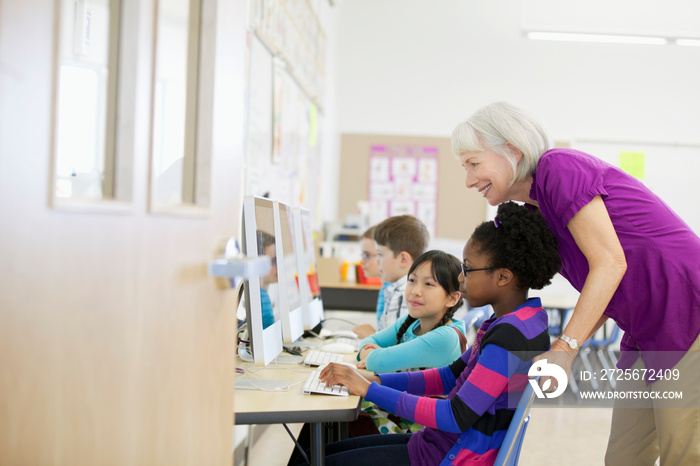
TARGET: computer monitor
(290,305)
(262,295)
(309,289)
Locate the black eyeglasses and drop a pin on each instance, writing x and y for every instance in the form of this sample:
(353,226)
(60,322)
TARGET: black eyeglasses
(466,270)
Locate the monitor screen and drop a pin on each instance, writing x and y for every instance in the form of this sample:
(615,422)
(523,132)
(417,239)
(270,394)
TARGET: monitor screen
(290,304)
(309,289)
(262,300)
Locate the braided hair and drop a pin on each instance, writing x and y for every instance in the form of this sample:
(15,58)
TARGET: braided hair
(445,269)
(519,240)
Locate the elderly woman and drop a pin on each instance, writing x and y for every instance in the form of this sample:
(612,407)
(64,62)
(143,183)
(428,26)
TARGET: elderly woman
(632,259)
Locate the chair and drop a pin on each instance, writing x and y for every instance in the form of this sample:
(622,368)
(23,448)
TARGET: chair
(509,453)
(475,317)
(558,317)
(601,346)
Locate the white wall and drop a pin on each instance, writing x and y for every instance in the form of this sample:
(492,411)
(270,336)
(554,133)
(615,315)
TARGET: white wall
(420,67)
(330,142)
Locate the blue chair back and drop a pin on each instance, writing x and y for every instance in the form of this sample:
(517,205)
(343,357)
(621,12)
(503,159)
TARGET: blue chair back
(509,453)
(556,320)
(475,317)
(596,344)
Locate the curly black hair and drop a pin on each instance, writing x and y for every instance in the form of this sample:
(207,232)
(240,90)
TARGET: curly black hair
(519,240)
(445,269)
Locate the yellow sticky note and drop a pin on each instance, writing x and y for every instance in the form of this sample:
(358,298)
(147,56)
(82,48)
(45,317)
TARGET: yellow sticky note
(633,163)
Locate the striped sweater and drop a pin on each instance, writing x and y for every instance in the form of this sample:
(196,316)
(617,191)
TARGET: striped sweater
(483,388)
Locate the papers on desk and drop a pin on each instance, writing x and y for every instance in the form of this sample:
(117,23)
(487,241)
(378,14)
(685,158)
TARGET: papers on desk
(243,383)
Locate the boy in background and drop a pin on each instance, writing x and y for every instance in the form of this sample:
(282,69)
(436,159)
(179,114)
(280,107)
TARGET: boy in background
(266,246)
(368,260)
(399,240)
(370,267)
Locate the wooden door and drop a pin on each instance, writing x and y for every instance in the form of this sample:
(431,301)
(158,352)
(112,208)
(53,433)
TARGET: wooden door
(116,347)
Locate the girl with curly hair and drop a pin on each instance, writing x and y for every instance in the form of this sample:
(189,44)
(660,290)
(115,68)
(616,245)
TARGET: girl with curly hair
(502,261)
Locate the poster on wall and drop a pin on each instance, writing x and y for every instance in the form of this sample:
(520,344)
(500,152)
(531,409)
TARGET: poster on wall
(282,151)
(403,181)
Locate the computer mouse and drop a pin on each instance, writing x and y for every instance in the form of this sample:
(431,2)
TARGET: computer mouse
(338,348)
(344,333)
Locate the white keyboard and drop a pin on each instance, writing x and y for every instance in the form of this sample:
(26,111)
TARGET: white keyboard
(354,342)
(314,385)
(321,358)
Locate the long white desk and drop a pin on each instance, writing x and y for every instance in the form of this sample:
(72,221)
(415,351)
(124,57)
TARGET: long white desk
(557,295)
(292,406)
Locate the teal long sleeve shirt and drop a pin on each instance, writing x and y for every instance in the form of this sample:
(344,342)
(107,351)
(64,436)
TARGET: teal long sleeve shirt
(437,348)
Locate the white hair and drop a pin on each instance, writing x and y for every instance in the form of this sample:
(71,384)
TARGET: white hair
(492,126)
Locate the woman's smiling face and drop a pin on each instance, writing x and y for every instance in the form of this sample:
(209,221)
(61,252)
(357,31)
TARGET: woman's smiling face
(489,173)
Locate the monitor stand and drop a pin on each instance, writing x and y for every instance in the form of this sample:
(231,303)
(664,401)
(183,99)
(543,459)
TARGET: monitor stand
(314,331)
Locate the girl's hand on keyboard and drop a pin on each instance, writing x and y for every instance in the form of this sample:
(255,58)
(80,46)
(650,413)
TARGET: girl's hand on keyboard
(340,374)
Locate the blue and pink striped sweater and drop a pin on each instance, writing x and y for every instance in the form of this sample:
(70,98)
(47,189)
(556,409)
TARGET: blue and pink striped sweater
(483,388)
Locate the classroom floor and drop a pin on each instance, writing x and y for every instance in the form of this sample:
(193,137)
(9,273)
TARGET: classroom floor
(577,435)
(566,433)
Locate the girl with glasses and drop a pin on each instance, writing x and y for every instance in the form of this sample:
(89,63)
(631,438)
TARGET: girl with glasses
(483,386)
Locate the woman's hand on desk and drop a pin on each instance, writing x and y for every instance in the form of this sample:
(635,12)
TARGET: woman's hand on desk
(341,374)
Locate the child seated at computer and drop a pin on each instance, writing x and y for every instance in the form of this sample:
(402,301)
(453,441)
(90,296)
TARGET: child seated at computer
(266,246)
(502,260)
(370,268)
(427,336)
(368,258)
(399,240)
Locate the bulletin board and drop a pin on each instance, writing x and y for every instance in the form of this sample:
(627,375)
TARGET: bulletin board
(408,175)
(285,96)
(281,159)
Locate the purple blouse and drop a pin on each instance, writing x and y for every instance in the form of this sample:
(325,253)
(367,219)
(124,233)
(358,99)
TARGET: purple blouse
(657,304)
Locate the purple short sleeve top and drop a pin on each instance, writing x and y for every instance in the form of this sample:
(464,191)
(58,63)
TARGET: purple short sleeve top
(657,304)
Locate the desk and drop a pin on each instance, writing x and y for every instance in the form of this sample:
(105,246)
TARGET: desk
(350,296)
(260,407)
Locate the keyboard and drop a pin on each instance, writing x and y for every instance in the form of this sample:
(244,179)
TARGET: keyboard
(314,385)
(321,358)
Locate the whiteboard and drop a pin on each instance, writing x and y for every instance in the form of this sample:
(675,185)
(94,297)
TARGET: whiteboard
(671,171)
(258,153)
(282,155)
